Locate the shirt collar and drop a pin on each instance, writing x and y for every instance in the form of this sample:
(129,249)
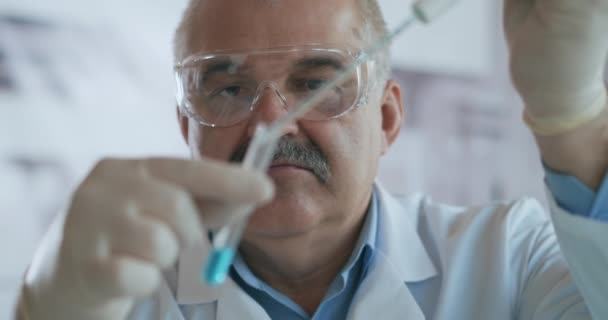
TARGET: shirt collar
(367,237)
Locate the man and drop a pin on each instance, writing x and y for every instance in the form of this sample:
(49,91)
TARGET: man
(328,243)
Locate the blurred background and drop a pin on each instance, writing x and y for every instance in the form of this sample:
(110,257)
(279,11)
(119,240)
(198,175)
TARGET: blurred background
(80,80)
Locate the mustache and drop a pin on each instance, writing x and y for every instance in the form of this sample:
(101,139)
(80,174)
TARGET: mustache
(307,155)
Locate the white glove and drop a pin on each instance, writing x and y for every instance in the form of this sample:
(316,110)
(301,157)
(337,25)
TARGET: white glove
(558,55)
(127,221)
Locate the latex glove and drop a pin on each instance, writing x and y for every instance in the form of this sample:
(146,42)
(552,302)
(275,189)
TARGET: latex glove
(127,221)
(558,54)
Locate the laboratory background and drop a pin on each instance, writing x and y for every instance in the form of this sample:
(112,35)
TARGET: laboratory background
(81,80)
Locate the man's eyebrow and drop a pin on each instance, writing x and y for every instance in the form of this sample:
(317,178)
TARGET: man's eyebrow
(320,62)
(222,67)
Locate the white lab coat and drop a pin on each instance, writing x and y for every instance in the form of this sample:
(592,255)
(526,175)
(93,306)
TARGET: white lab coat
(500,261)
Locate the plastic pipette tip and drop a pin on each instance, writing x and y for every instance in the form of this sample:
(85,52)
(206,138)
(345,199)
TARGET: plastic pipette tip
(218,265)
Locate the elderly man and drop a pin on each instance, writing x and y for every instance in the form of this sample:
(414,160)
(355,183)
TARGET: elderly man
(326,242)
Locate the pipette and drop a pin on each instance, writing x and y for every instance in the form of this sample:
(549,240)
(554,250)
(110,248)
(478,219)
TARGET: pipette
(262,147)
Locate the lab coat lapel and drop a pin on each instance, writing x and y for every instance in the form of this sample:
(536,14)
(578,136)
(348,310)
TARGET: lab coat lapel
(383,295)
(169,310)
(237,305)
(232,302)
(400,240)
(400,257)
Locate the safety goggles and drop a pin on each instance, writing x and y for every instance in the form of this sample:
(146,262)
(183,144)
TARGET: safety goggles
(223,88)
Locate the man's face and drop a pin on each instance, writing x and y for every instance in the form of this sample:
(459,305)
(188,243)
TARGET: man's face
(351,145)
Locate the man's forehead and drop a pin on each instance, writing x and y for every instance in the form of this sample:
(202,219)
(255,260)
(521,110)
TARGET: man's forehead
(237,24)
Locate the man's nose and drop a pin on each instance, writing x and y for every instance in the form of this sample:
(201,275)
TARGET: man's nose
(270,105)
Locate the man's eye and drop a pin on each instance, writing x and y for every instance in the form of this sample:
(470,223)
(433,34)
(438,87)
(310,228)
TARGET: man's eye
(315,84)
(310,84)
(231,91)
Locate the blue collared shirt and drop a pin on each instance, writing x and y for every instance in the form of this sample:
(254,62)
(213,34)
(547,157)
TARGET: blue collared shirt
(574,196)
(337,300)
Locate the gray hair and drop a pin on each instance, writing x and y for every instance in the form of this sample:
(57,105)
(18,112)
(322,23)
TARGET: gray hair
(374,28)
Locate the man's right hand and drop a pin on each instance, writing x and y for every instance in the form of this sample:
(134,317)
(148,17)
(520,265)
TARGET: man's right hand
(128,221)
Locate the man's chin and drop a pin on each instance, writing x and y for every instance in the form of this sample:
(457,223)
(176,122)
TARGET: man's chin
(287,215)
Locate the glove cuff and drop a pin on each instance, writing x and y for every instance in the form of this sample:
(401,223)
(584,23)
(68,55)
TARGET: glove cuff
(549,126)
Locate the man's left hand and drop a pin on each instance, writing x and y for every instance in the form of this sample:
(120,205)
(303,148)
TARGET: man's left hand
(558,54)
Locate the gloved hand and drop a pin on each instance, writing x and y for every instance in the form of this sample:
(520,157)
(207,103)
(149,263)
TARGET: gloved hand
(127,221)
(558,54)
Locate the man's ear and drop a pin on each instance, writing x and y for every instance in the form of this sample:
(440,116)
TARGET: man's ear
(392,114)
(182,119)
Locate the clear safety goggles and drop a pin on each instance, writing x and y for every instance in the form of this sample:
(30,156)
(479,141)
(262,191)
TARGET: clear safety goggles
(223,88)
